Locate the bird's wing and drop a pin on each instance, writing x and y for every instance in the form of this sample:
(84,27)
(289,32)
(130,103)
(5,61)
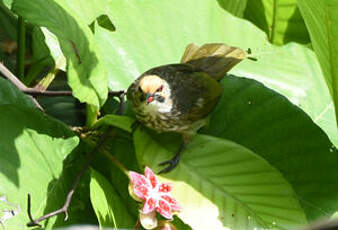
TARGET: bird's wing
(216,59)
(203,106)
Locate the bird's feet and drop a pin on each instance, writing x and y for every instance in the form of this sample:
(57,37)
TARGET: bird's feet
(171,164)
(134,126)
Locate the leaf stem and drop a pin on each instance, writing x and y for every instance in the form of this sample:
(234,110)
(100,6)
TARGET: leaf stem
(116,162)
(111,157)
(92,112)
(273,24)
(35,70)
(15,81)
(47,80)
(21,40)
(36,92)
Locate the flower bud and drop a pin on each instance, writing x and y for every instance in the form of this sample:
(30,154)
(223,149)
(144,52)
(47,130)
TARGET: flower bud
(132,194)
(148,221)
(165,225)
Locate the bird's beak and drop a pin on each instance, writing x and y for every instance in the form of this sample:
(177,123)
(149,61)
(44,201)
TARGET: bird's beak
(149,98)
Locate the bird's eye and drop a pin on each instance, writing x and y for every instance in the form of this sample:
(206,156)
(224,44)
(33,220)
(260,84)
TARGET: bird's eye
(142,97)
(140,89)
(160,89)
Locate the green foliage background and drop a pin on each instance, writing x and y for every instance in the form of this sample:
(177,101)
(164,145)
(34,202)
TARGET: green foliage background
(268,158)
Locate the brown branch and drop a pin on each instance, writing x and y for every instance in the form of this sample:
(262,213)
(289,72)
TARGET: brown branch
(29,211)
(137,225)
(36,222)
(15,81)
(11,77)
(36,92)
(122,102)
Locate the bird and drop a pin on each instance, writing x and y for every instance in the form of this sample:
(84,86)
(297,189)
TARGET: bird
(179,97)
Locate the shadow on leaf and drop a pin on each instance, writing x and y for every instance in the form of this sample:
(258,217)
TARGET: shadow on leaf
(273,177)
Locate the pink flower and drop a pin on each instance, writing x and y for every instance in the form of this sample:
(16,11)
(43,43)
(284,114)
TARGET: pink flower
(155,195)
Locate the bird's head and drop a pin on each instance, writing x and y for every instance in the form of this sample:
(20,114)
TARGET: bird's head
(152,92)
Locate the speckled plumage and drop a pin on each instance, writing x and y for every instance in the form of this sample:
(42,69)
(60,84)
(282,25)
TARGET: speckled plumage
(179,97)
(193,95)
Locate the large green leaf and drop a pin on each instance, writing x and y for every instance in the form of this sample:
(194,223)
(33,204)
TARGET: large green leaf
(89,10)
(121,147)
(122,122)
(86,74)
(104,40)
(295,72)
(236,7)
(10,95)
(47,58)
(321,17)
(46,45)
(222,182)
(280,19)
(268,124)
(108,206)
(135,47)
(8,20)
(33,148)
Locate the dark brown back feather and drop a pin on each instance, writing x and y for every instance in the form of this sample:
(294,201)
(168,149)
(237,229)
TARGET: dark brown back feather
(216,59)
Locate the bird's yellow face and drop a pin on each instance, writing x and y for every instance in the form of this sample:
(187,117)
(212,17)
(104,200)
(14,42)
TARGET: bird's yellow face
(152,87)
(153,94)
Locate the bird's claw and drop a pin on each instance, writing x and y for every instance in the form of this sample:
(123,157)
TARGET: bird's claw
(134,126)
(171,164)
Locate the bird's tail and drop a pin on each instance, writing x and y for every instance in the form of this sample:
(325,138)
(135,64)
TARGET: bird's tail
(216,59)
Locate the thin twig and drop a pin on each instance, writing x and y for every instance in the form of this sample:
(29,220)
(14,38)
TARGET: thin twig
(15,81)
(36,92)
(36,103)
(137,225)
(122,102)
(11,77)
(114,160)
(21,41)
(29,210)
(64,209)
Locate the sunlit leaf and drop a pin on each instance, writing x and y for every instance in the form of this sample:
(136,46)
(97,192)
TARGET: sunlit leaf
(135,47)
(224,183)
(280,19)
(86,74)
(32,152)
(108,206)
(35,151)
(52,44)
(122,122)
(236,7)
(321,18)
(269,125)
